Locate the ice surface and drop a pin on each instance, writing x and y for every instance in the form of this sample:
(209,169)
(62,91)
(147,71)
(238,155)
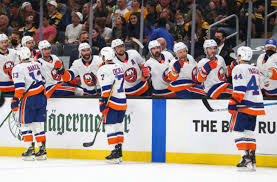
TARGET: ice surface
(14,169)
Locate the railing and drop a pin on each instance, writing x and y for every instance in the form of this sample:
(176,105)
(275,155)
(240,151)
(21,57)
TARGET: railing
(223,20)
(266,17)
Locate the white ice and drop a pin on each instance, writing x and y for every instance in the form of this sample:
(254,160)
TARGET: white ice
(13,169)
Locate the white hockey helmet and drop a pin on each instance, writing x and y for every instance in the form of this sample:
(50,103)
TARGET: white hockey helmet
(179,46)
(153,43)
(245,52)
(3,37)
(116,42)
(43,44)
(83,46)
(107,53)
(26,39)
(209,43)
(24,53)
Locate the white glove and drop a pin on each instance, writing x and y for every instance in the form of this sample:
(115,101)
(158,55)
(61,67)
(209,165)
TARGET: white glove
(267,73)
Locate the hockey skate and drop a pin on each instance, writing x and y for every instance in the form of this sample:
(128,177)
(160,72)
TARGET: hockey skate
(41,154)
(114,157)
(245,164)
(118,147)
(29,154)
(253,159)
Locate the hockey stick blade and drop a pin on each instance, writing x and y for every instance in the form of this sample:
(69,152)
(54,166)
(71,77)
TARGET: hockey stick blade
(208,106)
(137,42)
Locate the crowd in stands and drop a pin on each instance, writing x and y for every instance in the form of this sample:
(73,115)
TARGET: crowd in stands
(65,20)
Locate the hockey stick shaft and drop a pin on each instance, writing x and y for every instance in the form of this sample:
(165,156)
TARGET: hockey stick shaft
(97,130)
(18,103)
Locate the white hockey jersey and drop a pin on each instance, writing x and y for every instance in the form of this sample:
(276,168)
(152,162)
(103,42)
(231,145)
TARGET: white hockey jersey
(246,88)
(159,75)
(48,71)
(23,75)
(132,71)
(264,64)
(7,62)
(35,55)
(187,76)
(216,81)
(87,72)
(106,75)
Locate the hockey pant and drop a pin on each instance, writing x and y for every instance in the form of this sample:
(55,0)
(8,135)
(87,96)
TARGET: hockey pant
(195,91)
(60,89)
(221,90)
(114,126)
(242,127)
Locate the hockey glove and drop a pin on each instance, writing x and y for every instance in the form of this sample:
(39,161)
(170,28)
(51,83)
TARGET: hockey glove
(2,99)
(232,106)
(209,66)
(59,67)
(15,104)
(103,109)
(178,65)
(145,74)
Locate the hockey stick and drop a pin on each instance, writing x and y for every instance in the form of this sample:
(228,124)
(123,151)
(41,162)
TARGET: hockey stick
(137,42)
(88,144)
(2,99)
(18,103)
(208,106)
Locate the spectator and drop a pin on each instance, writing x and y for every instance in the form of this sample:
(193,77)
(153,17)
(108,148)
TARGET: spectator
(119,30)
(184,6)
(223,48)
(100,11)
(121,8)
(136,4)
(67,17)
(53,14)
(105,32)
(111,3)
(84,37)
(151,16)
(178,32)
(85,12)
(98,42)
(27,11)
(49,32)
(15,40)
(4,25)
(15,20)
(259,21)
(201,32)
(162,32)
(74,30)
(29,28)
(162,42)
(5,7)
(165,4)
(166,14)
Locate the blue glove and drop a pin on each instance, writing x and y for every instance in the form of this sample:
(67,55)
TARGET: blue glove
(232,106)
(15,104)
(178,65)
(209,66)
(102,103)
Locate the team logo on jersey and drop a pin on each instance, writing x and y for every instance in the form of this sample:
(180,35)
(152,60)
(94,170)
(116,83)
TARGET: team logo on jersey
(165,76)
(221,74)
(131,75)
(8,66)
(90,79)
(194,74)
(55,75)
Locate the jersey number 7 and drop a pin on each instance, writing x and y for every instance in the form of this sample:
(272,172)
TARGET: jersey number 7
(120,78)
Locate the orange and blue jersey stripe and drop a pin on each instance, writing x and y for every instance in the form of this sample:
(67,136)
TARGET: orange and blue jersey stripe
(163,93)
(217,89)
(239,93)
(180,85)
(7,86)
(255,111)
(270,93)
(117,103)
(106,90)
(137,90)
(115,138)
(246,143)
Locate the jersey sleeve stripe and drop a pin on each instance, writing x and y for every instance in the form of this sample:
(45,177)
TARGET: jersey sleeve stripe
(19,85)
(240,89)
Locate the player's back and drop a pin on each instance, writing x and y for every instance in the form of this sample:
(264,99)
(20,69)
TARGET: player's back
(24,74)
(106,75)
(246,84)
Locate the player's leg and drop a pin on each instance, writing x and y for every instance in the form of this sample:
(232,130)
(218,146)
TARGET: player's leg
(119,128)
(239,122)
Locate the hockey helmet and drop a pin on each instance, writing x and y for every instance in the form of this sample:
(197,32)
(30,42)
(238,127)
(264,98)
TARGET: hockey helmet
(83,46)
(153,43)
(3,37)
(116,42)
(245,53)
(270,43)
(209,43)
(26,39)
(179,46)
(24,53)
(107,54)
(43,44)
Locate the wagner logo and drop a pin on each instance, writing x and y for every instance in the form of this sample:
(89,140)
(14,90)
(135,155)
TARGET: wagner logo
(90,79)
(221,74)
(165,76)
(55,75)
(131,75)
(7,66)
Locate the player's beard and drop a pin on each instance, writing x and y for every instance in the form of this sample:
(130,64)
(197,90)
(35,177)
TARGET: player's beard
(120,54)
(86,57)
(156,55)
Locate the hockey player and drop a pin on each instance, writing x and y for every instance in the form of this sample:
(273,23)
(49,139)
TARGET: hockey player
(8,59)
(132,63)
(212,72)
(53,82)
(113,115)
(267,64)
(28,41)
(86,67)
(157,68)
(32,111)
(247,92)
(183,74)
